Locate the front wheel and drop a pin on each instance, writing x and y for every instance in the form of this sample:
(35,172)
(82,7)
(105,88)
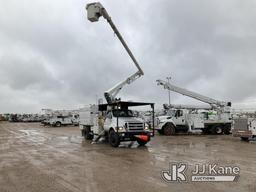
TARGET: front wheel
(114,139)
(227,129)
(217,130)
(142,143)
(58,124)
(169,129)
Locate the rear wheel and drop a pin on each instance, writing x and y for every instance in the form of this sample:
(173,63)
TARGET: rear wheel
(113,139)
(245,138)
(58,124)
(217,130)
(87,133)
(227,129)
(169,129)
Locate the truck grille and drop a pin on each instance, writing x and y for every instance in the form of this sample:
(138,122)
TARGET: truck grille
(241,124)
(135,126)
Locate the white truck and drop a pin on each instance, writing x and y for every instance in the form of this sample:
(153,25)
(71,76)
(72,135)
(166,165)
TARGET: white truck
(63,120)
(214,120)
(245,128)
(116,122)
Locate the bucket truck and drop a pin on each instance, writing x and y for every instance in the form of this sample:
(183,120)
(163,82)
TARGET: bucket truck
(115,120)
(215,119)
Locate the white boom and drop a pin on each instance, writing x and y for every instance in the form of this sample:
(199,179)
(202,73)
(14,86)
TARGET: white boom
(214,103)
(94,12)
(191,107)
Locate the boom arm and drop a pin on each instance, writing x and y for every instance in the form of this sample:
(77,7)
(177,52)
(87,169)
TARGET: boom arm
(94,12)
(192,107)
(214,103)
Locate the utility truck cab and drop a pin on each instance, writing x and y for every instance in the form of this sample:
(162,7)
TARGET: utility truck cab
(116,122)
(178,120)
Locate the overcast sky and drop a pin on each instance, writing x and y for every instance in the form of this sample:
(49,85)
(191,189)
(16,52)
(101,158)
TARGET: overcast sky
(51,56)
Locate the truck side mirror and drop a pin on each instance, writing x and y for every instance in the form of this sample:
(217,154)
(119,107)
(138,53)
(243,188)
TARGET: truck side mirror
(177,114)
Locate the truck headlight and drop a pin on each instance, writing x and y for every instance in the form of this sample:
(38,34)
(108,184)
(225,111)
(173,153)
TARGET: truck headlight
(121,129)
(146,127)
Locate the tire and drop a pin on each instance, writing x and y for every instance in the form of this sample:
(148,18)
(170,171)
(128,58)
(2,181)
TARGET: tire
(58,124)
(217,130)
(142,143)
(244,139)
(87,134)
(113,139)
(227,129)
(168,129)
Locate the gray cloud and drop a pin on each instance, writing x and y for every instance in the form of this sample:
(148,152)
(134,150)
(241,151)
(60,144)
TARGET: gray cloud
(51,56)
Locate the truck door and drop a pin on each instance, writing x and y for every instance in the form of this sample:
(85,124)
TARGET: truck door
(179,118)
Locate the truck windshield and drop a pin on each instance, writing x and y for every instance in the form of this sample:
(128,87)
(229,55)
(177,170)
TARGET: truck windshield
(122,113)
(171,113)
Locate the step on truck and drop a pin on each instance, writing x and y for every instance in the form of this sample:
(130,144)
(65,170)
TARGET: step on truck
(116,123)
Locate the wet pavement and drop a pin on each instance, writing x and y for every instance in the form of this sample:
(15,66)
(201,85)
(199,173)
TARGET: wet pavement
(34,158)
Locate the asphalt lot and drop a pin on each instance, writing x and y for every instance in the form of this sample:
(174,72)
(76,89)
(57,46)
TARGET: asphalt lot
(34,158)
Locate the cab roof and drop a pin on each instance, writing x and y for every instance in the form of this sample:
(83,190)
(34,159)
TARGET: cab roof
(123,105)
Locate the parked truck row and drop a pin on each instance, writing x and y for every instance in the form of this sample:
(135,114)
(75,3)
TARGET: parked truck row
(22,117)
(117,121)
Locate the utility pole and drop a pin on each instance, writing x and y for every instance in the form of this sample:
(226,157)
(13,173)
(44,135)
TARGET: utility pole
(169,91)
